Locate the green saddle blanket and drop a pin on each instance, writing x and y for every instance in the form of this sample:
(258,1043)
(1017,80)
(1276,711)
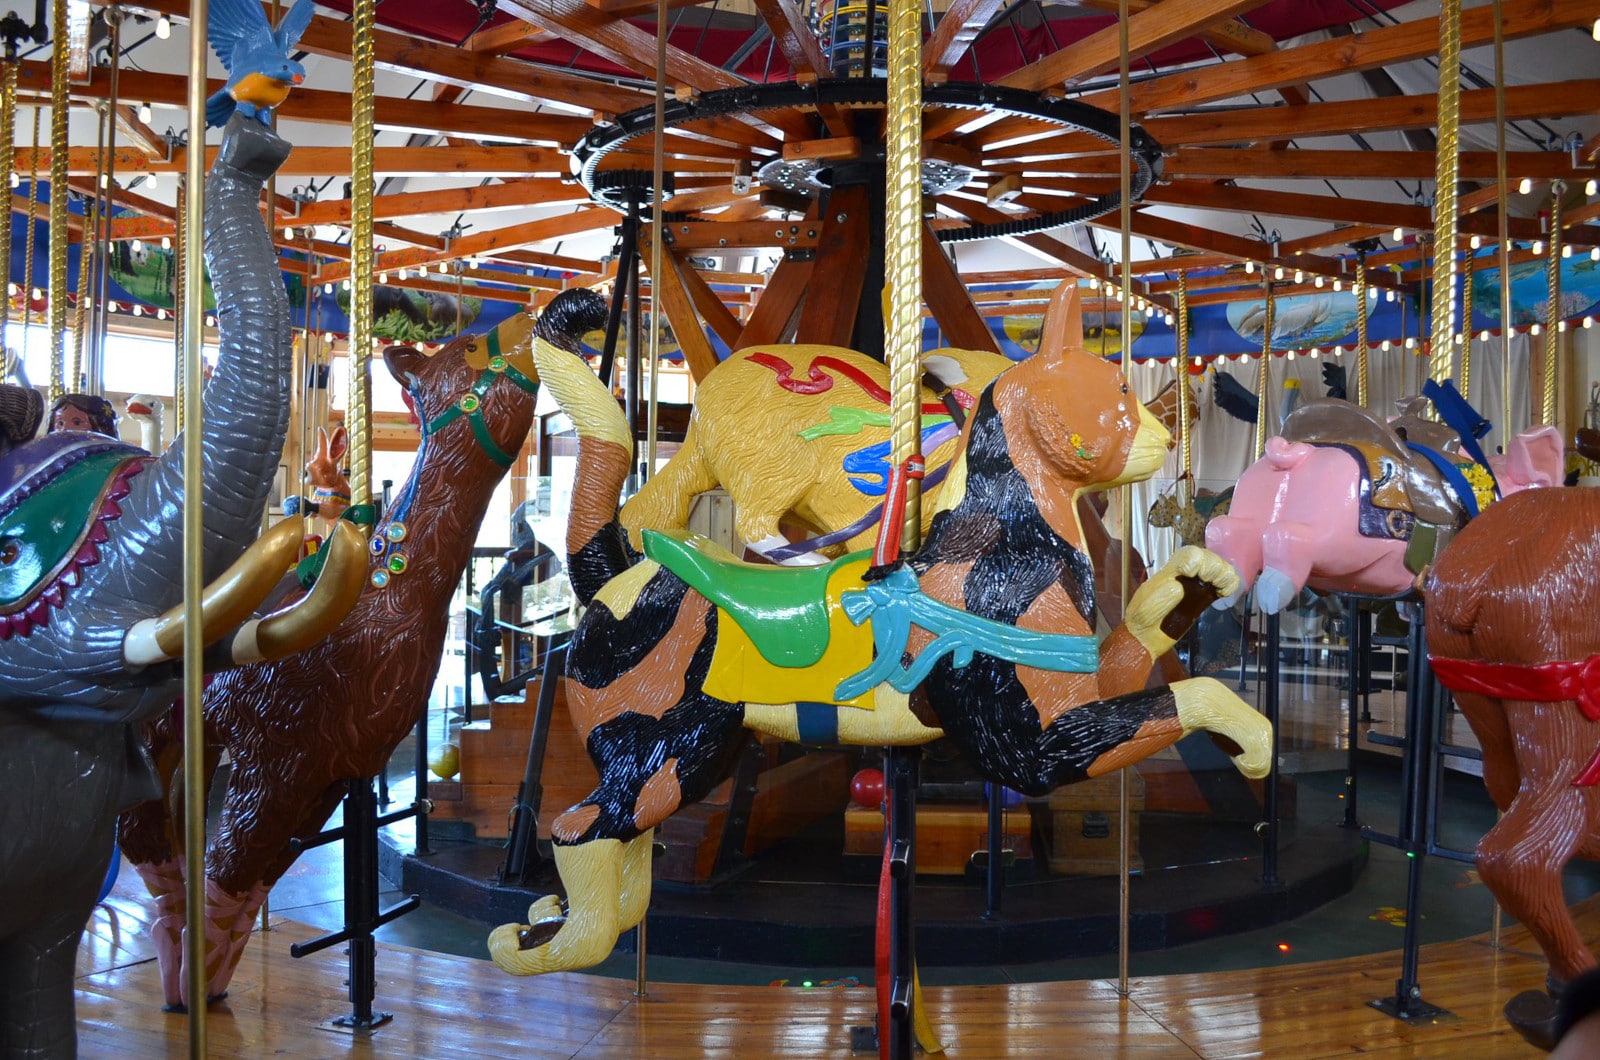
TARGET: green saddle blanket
(783,610)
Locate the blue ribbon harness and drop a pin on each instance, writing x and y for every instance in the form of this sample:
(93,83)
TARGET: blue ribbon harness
(897,602)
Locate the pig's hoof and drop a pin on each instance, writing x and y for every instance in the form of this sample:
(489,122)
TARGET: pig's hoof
(1275,591)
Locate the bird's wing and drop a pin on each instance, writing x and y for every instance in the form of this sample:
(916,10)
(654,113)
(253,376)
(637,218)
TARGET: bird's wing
(294,24)
(1232,398)
(230,22)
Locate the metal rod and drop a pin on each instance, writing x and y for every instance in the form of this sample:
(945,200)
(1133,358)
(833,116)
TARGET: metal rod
(1354,620)
(8,167)
(994,876)
(1271,704)
(1363,350)
(1125,494)
(194,803)
(1261,372)
(358,406)
(657,314)
(1502,221)
(1185,404)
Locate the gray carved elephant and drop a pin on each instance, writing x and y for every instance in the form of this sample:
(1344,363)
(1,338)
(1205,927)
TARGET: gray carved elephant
(91,544)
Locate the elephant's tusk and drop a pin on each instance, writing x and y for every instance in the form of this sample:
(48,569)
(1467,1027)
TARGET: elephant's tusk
(225,603)
(307,620)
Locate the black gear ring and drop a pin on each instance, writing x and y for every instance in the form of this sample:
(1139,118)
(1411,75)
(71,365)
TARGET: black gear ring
(1144,152)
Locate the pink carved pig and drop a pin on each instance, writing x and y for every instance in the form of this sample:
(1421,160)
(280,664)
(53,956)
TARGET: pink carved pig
(1294,522)
(1332,504)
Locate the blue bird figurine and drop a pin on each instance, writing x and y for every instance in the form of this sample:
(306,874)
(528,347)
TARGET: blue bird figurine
(260,71)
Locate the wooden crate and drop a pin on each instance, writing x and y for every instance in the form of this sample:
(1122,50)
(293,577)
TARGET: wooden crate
(1084,823)
(947,836)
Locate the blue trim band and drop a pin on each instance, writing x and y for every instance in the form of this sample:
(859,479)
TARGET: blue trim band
(818,723)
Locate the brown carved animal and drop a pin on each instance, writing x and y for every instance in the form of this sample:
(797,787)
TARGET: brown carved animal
(296,735)
(1517,589)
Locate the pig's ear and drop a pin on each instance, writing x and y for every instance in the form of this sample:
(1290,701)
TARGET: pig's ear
(1536,458)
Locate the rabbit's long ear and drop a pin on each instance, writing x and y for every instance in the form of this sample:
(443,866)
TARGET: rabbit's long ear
(340,443)
(322,447)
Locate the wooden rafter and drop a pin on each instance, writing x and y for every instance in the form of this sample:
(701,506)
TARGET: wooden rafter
(794,37)
(322,161)
(485,242)
(1149,30)
(1229,163)
(958,27)
(1370,50)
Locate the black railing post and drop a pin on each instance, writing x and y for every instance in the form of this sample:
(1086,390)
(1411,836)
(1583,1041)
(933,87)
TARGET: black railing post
(900,848)
(1355,621)
(995,875)
(1269,801)
(522,845)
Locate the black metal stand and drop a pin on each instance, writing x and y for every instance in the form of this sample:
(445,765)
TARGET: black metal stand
(1359,625)
(900,838)
(1417,766)
(522,845)
(994,878)
(1271,707)
(361,914)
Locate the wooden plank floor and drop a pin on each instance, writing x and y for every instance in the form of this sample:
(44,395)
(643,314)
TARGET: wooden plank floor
(456,1007)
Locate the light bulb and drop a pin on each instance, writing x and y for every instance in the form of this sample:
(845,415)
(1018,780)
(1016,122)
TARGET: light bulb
(211,321)
(345,285)
(163,27)
(161,314)
(383,277)
(1094,283)
(1314,354)
(1588,322)
(1317,282)
(1290,355)
(166,242)
(1338,285)
(150,181)
(1338,351)
(1372,294)
(1591,187)
(1561,325)
(1391,295)
(144,113)
(1411,343)
(1566,251)
(1483,336)
(1524,186)
(137,246)
(1535,329)
(138,310)
(288,232)
(1594,253)
(1249,268)
(1538,247)
(1277,273)
(1399,233)
(327,288)
(327,337)
(37,294)
(1475,242)
(1299,276)
(12,289)
(443,268)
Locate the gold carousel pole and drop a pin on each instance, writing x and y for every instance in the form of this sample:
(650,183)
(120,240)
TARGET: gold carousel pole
(1261,372)
(1464,327)
(8,170)
(1446,176)
(1502,184)
(57,308)
(1125,494)
(1363,351)
(1552,313)
(194,804)
(903,251)
(80,327)
(1185,405)
(180,315)
(358,406)
(29,239)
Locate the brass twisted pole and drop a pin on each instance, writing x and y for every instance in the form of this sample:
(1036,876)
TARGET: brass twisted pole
(57,308)
(1552,312)
(1125,494)
(8,170)
(1363,351)
(362,261)
(1446,176)
(29,239)
(1261,373)
(1185,407)
(1465,328)
(903,251)
(1501,184)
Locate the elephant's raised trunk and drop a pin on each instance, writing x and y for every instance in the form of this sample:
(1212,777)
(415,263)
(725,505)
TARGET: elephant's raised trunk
(246,410)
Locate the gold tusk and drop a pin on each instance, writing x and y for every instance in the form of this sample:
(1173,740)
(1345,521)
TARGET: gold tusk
(301,624)
(225,603)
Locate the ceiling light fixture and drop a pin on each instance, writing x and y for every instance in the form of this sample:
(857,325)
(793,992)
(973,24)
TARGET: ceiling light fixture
(163,27)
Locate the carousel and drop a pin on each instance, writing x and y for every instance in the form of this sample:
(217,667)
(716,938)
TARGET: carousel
(1102,485)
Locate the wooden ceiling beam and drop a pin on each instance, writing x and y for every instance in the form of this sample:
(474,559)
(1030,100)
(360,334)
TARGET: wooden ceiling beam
(1204,196)
(1370,50)
(794,38)
(620,42)
(1070,256)
(1238,163)
(333,108)
(1523,102)
(958,27)
(320,161)
(1150,30)
(505,38)
(145,138)
(484,242)
(439,61)
(513,193)
(1175,233)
